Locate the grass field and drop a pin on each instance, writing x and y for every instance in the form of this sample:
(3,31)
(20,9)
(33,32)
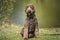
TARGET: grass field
(12,32)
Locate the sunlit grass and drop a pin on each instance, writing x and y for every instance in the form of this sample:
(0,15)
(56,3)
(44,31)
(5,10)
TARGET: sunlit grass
(12,32)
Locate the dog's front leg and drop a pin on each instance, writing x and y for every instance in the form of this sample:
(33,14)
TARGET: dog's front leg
(25,34)
(36,29)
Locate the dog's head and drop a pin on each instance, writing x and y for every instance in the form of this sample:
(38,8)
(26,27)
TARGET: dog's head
(30,10)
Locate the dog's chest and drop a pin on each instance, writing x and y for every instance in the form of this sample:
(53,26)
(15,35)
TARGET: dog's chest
(31,22)
(31,25)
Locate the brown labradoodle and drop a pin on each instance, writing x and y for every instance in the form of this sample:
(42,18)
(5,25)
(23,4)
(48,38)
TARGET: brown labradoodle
(30,28)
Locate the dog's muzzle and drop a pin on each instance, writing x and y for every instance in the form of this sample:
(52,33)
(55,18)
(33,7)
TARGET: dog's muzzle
(30,15)
(29,11)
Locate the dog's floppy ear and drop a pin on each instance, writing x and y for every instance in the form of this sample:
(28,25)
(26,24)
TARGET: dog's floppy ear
(34,10)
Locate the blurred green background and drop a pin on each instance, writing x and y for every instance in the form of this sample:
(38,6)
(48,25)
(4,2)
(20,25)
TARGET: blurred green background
(47,12)
(12,18)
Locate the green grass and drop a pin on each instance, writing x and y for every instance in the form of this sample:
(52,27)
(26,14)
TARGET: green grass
(47,38)
(12,32)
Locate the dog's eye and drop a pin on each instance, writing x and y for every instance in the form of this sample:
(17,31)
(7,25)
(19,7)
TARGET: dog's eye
(32,7)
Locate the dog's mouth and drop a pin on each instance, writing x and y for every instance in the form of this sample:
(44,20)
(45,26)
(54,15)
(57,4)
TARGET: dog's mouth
(30,15)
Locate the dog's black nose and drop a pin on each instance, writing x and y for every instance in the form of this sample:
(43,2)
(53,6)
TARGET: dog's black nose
(29,11)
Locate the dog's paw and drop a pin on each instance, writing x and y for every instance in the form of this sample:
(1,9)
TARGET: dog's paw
(25,38)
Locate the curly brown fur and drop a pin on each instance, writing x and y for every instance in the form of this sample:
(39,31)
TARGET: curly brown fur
(30,28)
